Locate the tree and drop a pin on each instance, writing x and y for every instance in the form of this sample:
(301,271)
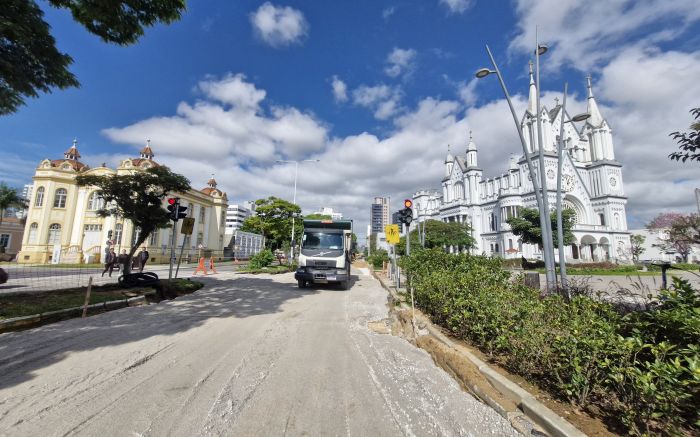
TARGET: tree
(637,246)
(682,232)
(664,220)
(273,219)
(8,198)
(31,63)
(138,197)
(527,226)
(440,234)
(688,142)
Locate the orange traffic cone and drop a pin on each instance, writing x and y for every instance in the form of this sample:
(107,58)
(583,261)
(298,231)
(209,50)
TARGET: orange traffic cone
(200,267)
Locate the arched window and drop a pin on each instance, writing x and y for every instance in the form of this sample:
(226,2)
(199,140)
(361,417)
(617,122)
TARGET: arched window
(39,199)
(54,234)
(59,200)
(459,191)
(33,233)
(95,201)
(118,233)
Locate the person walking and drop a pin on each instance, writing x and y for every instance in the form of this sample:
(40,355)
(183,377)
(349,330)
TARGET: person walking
(122,260)
(110,261)
(143,257)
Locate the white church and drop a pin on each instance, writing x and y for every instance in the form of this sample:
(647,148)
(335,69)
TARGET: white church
(591,184)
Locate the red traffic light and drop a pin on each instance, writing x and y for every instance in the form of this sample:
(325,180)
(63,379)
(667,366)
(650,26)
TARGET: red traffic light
(172,200)
(408,203)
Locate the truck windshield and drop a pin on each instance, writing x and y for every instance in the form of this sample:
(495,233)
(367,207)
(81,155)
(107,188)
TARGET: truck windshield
(322,240)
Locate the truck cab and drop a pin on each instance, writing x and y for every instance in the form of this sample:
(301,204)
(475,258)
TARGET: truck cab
(326,251)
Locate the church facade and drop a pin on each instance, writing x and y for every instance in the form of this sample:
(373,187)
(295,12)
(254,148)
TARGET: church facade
(592,187)
(63,224)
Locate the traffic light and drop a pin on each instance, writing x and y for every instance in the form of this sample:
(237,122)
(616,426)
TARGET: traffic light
(173,204)
(181,212)
(406,214)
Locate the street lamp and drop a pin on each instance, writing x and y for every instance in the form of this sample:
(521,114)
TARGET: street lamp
(548,254)
(560,164)
(294,201)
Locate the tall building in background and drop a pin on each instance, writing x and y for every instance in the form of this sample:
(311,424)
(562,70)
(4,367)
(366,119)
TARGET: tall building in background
(379,214)
(235,215)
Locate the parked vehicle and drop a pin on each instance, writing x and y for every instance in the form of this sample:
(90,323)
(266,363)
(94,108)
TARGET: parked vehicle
(326,251)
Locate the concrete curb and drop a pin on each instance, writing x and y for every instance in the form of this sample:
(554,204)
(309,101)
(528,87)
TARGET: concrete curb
(537,412)
(52,316)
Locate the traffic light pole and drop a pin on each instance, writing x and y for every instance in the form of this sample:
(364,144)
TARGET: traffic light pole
(408,239)
(172,251)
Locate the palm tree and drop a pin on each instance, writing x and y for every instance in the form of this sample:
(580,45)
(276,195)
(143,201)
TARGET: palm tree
(8,198)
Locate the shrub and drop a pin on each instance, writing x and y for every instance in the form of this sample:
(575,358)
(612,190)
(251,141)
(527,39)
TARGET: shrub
(643,367)
(262,259)
(378,258)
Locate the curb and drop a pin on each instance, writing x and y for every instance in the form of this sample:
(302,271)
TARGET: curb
(52,316)
(534,410)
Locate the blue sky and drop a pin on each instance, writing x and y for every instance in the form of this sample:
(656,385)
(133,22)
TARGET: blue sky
(375,89)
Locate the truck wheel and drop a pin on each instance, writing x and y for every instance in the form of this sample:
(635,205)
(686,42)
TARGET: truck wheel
(345,285)
(301,283)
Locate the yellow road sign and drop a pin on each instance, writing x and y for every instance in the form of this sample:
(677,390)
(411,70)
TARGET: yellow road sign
(187,226)
(392,234)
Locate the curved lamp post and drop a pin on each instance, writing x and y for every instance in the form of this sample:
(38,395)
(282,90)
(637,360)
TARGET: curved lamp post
(548,254)
(560,163)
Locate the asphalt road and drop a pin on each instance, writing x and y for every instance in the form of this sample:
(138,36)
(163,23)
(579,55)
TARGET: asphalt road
(248,356)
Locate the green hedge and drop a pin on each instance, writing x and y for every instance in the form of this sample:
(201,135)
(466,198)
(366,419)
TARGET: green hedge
(642,368)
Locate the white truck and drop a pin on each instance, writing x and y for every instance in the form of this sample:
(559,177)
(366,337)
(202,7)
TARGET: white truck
(326,252)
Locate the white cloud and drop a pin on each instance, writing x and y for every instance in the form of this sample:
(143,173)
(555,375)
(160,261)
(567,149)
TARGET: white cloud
(382,99)
(241,128)
(234,90)
(400,61)
(279,26)
(589,34)
(340,90)
(467,91)
(457,6)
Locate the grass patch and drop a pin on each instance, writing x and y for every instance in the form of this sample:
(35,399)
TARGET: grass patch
(27,304)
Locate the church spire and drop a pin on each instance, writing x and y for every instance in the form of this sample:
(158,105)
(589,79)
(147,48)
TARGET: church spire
(532,98)
(449,157)
(596,119)
(212,182)
(471,152)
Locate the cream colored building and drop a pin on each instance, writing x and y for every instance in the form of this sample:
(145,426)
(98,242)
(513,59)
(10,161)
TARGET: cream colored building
(63,225)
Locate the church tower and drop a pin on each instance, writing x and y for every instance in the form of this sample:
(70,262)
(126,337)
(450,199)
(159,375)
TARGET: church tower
(473,173)
(598,131)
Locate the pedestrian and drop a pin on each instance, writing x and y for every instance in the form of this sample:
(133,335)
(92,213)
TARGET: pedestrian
(110,261)
(143,257)
(122,260)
